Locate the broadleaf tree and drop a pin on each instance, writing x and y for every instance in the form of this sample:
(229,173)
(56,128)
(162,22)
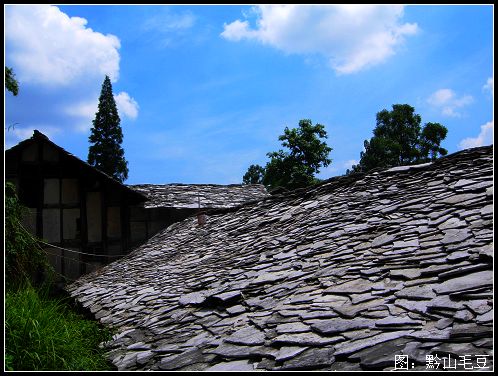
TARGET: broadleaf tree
(399,139)
(296,167)
(105,152)
(254,175)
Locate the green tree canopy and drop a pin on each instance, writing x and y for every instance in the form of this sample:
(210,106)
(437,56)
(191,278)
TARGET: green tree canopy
(296,167)
(254,175)
(400,140)
(11,83)
(106,137)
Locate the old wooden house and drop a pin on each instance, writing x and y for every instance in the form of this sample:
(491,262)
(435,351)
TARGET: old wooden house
(87,219)
(71,205)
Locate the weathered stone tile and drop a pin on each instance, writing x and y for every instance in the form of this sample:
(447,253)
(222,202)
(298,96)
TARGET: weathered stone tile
(381,355)
(289,352)
(467,282)
(397,321)
(366,258)
(357,286)
(294,327)
(249,336)
(350,347)
(351,310)
(337,326)
(237,365)
(231,351)
(311,359)
(424,292)
(304,339)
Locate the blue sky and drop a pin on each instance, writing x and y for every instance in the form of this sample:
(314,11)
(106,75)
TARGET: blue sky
(204,91)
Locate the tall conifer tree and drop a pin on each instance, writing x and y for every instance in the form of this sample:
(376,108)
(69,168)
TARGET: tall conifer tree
(106,152)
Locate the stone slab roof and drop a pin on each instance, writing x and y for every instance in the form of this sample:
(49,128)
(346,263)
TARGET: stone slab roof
(188,196)
(342,276)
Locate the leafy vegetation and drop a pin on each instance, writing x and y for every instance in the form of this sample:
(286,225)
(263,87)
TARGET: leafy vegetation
(24,259)
(11,83)
(42,333)
(400,140)
(295,168)
(105,152)
(254,175)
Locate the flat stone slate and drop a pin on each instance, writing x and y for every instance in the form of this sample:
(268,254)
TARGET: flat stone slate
(479,307)
(236,365)
(289,352)
(248,336)
(382,239)
(397,321)
(184,359)
(229,295)
(431,334)
(405,273)
(231,351)
(268,278)
(444,323)
(352,310)
(337,325)
(382,355)
(452,223)
(235,310)
(467,282)
(193,298)
(357,286)
(424,292)
(350,347)
(455,236)
(144,356)
(304,339)
(471,330)
(311,359)
(293,327)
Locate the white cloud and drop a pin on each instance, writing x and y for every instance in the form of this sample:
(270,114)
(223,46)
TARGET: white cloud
(448,102)
(485,137)
(167,22)
(19,134)
(127,106)
(60,63)
(351,37)
(350,163)
(336,168)
(84,110)
(489,86)
(47,46)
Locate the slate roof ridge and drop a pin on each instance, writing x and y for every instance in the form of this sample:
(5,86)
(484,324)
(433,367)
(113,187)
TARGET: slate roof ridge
(195,185)
(343,180)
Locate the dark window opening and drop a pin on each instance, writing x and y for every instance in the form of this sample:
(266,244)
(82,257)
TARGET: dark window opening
(29,192)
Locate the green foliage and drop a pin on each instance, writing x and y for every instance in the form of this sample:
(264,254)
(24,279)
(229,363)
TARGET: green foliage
(11,83)
(24,259)
(430,140)
(295,168)
(44,334)
(254,175)
(106,152)
(400,140)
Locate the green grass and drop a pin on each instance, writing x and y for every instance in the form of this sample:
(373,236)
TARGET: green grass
(46,334)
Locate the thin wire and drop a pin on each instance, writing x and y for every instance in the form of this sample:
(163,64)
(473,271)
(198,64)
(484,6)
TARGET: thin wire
(65,249)
(68,258)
